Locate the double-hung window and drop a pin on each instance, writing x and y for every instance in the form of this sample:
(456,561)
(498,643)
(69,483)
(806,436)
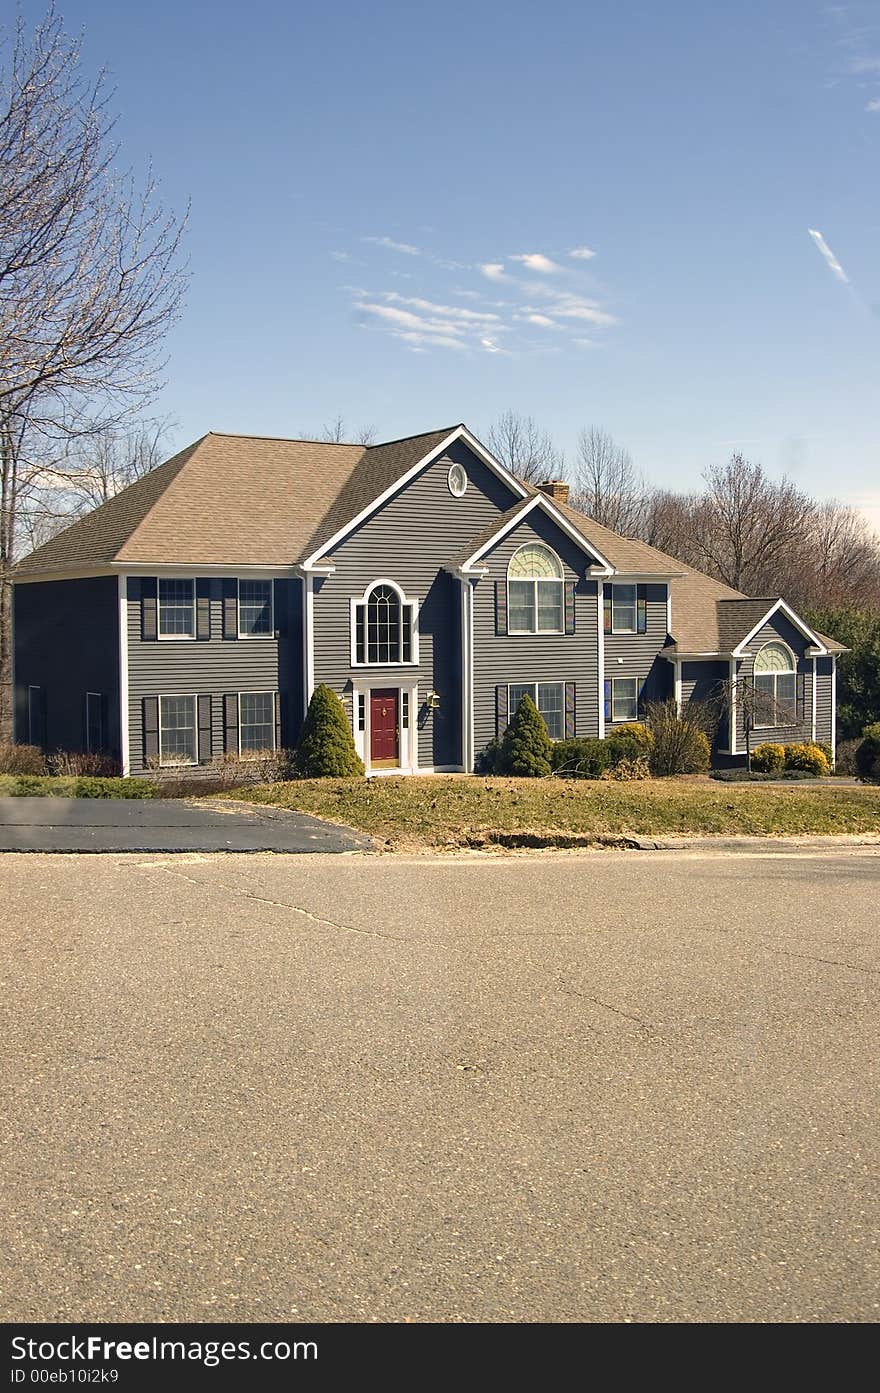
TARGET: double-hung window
(178,735)
(549,697)
(622,699)
(256,721)
(623,609)
(775,686)
(177,608)
(254,608)
(535,591)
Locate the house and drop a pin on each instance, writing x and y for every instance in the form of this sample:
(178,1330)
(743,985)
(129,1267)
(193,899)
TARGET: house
(194,613)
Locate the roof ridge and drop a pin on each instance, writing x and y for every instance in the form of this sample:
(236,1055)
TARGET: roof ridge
(420,435)
(286,439)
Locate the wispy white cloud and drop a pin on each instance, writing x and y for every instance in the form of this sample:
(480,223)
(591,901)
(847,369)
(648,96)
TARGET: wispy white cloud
(582,253)
(830,259)
(444,311)
(393,246)
(865,65)
(873,105)
(341,256)
(419,339)
(543,320)
(493,270)
(536,261)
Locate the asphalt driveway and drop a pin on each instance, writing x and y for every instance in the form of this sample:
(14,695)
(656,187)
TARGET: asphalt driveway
(612,1086)
(163,824)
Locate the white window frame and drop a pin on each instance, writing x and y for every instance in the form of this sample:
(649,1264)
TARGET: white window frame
(624,720)
(534,695)
(536,581)
(359,601)
(177,763)
(99,697)
(243,633)
(776,673)
(453,470)
(252,754)
(175,638)
(625,585)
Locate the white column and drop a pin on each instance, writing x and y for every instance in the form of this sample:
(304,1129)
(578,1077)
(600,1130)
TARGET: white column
(308,638)
(833,711)
(813,731)
(678,686)
(123,676)
(600,607)
(732,680)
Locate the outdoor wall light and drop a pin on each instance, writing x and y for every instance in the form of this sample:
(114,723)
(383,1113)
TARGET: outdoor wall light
(432,700)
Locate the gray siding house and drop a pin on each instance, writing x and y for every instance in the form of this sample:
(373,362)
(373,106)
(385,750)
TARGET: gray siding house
(192,616)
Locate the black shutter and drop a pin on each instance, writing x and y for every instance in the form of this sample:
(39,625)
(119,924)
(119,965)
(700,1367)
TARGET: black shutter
(151,729)
(149,608)
(282,608)
(801,709)
(230,608)
(640,702)
(230,722)
(501,606)
(642,609)
(501,712)
(278,720)
(206,747)
(606,610)
(609,710)
(569,608)
(570,711)
(203,609)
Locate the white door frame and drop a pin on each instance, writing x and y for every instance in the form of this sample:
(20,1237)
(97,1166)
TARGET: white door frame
(408,739)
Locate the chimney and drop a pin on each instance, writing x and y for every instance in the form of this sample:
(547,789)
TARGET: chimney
(557,489)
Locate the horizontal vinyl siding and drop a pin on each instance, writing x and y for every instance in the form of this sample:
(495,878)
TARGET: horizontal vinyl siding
(66,641)
(410,540)
(216,666)
(637,655)
(504,658)
(779,627)
(824,700)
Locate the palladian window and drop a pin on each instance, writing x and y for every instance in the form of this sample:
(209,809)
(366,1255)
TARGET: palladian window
(775,686)
(535,591)
(384,624)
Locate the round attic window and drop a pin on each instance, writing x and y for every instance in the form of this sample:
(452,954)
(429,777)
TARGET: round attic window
(457,480)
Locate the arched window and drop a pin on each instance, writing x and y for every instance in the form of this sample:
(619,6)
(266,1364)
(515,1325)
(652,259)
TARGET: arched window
(384,623)
(775,686)
(534,591)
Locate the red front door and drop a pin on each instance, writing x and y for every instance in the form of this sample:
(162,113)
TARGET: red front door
(384,746)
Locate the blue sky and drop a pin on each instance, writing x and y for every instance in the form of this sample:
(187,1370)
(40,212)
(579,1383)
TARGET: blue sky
(594,213)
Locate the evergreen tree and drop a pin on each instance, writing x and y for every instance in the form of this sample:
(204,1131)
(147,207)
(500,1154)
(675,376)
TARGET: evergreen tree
(325,749)
(526,748)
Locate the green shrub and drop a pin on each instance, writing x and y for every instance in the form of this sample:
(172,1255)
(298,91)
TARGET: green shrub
(325,749)
(487,759)
(630,741)
(44,786)
(868,753)
(526,749)
(580,759)
(21,759)
(681,745)
(88,787)
(807,757)
(768,759)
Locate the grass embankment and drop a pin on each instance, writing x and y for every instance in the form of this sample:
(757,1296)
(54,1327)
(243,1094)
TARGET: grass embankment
(457,811)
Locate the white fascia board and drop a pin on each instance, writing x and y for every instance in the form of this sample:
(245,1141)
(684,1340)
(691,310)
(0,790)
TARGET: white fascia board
(540,500)
(203,568)
(460,433)
(795,620)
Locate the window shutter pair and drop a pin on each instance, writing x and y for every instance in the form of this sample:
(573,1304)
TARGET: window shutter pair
(570,711)
(150,608)
(151,728)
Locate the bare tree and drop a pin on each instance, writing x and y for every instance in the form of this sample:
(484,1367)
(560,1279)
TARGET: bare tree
(527,451)
(607,486)
(90,275)
(336,432)
(755,707)
(745,525)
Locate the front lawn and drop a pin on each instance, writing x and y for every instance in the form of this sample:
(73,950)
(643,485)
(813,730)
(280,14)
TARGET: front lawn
(444,811)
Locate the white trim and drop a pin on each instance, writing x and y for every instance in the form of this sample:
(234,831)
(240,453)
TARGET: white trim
(470,753)
(732,679)
(407,739)
(270,632)
(630,585)
(452,469)
(175,638)
(460,433)
(536,581)
(176,696)
(308,583)
(124,738)
(668,609)
(623,720)
(405,603)
(464,584)
(833,710)
(813,724)
(261,691)
(796,621)
(540,500)
(600,610)
(678,686)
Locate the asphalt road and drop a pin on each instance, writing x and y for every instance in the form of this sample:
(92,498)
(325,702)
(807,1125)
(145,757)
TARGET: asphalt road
(612,1086)
(163,824)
